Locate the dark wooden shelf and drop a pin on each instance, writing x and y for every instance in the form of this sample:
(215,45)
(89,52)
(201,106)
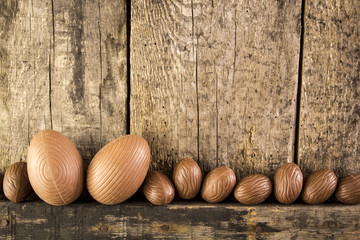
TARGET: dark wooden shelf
(197,220)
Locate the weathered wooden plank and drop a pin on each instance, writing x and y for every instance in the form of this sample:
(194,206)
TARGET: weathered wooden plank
(25,30)
(75,74)
(247,64)
(330,100)
(163,106)
(140,220)
(216,81)
(113,89)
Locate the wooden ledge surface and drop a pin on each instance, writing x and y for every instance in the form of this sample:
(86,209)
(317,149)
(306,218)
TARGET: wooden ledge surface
(179,220)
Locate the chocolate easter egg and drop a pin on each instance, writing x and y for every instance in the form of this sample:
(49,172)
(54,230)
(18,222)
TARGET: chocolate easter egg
(55,168)
(16,182)
(118,169)
(158,188)
(348,190)
(288,182)
(187,178)
(218,184)
(253,189)
(319,186)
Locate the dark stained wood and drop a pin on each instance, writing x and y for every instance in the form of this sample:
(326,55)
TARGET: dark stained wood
(140,220)
(330,100)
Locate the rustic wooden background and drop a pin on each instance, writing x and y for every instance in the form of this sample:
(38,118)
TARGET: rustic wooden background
(247,84)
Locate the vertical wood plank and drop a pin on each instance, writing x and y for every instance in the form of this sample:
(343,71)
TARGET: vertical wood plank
(216,81)
(25,29)
(247,78)
(113,57)
(75,74)
(163,80)
(330,100)
(88,84)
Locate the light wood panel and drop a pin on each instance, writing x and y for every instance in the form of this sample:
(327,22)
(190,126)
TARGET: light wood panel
(216,81)
(330,99)
(25,35)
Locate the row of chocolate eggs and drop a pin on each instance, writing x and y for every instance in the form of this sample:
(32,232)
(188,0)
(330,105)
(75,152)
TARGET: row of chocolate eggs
(253,189)
(56,173)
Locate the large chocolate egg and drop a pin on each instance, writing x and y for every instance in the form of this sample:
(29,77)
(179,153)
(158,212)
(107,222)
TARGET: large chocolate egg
(55,168)
(118,169)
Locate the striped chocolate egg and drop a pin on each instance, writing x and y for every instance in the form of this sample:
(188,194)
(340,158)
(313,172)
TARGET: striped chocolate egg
(253,189)
(218,184)
(55,168)
(118,169)
(319,186)
(288,182)
(187,178)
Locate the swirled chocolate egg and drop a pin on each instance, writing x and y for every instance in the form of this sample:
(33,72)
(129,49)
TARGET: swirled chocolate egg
(288,182)
(158,188)
(16,182)
(319,186)
(187,178)
(348,190)
(55,168)
(253,189)
(218,184)
(118,169)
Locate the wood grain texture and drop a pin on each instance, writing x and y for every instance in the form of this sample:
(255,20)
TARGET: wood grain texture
(163,80)
(330,101)
(25,30)
(218,82)
(62,67)
(140,220)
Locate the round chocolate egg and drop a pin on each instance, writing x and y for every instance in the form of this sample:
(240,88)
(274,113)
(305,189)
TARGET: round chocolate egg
(288,182)
(118,169)
(187,178)
(319,186)
(158,188)
(218,184)
(16,182)
(253,189)
(55,168)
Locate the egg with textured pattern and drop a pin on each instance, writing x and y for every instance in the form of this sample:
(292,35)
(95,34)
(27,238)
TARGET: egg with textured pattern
(55,168)
(158,188)
(118,169)
(218,184)
(16,182)
(348,190)
(253,189)
(288,182)
(187,178)
(319,186)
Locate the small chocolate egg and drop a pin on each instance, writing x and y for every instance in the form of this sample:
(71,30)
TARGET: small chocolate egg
(16,182)
(288,182)
(118,169)
(158,188)
(253,189)
(348,190)
(187,178)
(55,168)
(218,184)
(319,186)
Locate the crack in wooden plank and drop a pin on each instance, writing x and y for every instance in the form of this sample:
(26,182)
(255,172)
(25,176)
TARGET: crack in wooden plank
(298,97)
